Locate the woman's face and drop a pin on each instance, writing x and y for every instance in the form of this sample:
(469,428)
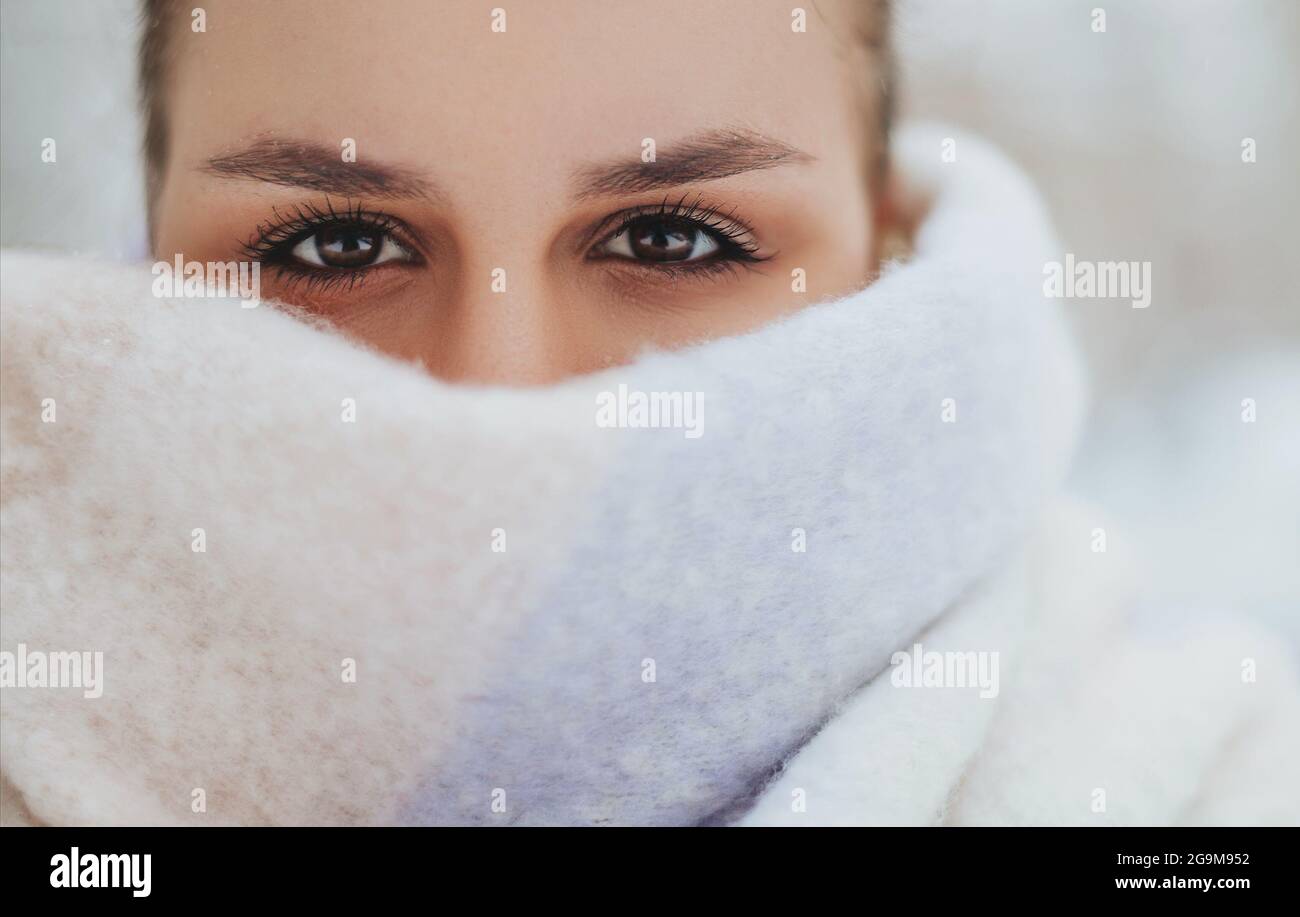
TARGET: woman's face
(503,218)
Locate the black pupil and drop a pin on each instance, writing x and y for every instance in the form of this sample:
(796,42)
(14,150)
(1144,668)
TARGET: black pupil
(662,240)
(348,246)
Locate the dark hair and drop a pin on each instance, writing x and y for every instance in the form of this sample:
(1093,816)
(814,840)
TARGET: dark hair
(873,26)
(155,23)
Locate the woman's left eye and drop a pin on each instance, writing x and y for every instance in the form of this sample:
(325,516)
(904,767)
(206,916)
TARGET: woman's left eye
(662,239)
(348,247)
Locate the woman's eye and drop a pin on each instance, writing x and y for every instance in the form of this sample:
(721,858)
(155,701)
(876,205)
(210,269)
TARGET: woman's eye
(348,247)
(659,239)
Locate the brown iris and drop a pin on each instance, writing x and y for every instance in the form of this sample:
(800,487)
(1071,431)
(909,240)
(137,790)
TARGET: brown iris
(348,246)
(662,240)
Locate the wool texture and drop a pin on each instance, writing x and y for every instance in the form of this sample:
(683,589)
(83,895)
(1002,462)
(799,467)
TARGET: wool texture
(556,621)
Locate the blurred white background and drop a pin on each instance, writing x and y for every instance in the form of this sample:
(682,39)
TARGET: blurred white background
(67,71)
(1134,138)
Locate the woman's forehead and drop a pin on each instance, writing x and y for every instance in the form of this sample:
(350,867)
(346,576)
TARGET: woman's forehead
(552,85)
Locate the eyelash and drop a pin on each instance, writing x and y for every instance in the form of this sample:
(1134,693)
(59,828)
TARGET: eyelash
(735,238)
(273,241)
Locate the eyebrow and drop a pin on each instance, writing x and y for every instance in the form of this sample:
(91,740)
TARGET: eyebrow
(305,164)
(707,156)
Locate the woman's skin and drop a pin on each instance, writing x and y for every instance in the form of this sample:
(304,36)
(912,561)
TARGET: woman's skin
(522,150)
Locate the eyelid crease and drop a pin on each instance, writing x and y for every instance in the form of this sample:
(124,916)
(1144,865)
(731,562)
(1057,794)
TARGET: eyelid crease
(282,231)
(734,234)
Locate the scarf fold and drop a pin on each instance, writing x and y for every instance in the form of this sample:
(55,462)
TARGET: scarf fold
(483,605)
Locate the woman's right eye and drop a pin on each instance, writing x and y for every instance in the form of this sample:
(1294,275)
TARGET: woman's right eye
(348,247)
